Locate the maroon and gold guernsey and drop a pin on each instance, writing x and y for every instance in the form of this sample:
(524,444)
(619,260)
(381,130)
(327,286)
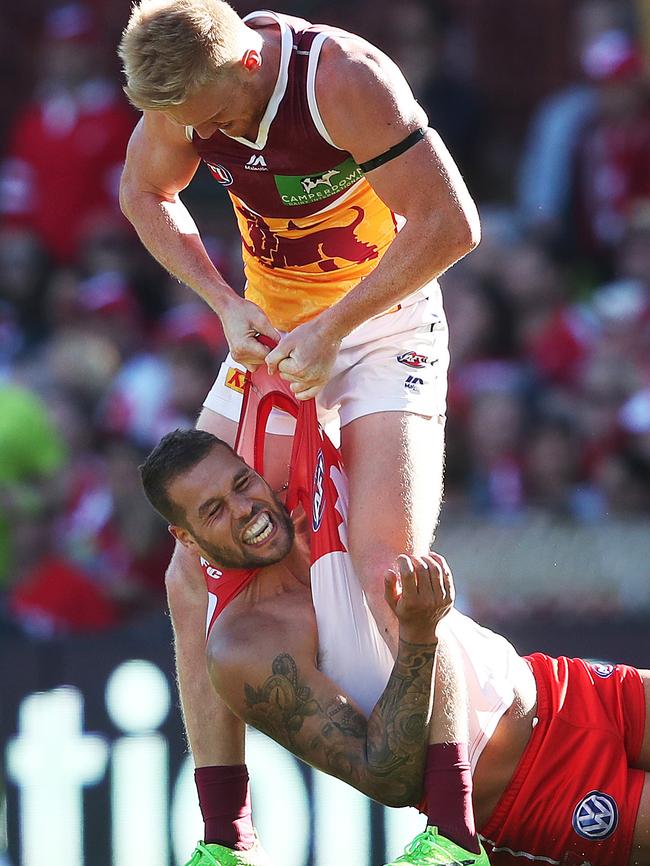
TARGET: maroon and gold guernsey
(311,225)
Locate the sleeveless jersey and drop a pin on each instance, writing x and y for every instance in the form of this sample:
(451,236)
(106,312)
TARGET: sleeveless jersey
(351,650)
(311,225)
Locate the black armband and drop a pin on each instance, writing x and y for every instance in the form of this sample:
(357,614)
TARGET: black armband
(397,149)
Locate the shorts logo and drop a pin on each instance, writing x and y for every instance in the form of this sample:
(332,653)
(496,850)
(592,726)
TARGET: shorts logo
(413,384)
(413,359)
(318,496)
(603,670)
(221,173)
(596,816)
(235,379)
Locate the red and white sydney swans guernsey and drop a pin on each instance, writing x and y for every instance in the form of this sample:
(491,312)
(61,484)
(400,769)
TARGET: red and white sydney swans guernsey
(351,650)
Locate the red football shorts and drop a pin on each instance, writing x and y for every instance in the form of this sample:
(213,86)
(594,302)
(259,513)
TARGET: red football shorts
(574,796)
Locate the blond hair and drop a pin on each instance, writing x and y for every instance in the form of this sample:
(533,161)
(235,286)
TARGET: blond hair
(171,48)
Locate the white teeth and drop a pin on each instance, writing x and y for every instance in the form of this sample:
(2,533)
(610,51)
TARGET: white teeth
(259,531)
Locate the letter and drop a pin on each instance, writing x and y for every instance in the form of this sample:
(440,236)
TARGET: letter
(51,760)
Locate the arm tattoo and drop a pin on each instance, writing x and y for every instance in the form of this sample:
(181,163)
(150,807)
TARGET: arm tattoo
(383,756)
(398,725)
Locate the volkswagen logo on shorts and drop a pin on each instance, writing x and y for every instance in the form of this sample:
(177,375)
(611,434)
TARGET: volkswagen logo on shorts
(602,670)
(596,816)
(318,495)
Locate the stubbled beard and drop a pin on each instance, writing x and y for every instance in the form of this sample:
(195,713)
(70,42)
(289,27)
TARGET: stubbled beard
(231,557)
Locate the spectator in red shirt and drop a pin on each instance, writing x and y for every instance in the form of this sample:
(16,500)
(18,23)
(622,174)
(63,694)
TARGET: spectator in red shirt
(612,173)
(67,146)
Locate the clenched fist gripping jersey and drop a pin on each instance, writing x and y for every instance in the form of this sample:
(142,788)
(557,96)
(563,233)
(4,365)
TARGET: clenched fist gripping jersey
(351,649)
(311,225)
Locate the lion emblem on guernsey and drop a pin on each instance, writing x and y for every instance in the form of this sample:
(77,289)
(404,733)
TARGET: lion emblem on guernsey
(314,247)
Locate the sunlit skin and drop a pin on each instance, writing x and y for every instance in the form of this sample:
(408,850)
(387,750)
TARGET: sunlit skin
(236,100)
(232,517)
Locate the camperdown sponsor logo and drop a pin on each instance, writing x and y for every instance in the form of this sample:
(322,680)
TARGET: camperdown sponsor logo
(296,190)
(256,163)
(310,183)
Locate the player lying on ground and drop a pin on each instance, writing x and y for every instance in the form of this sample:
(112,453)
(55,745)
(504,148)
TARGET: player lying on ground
(325,154)
(560,765)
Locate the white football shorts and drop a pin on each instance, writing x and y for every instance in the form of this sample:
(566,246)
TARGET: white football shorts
(396,362)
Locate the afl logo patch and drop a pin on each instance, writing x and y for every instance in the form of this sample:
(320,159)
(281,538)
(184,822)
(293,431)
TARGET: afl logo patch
(221,173)
(596,816)
(603,670)
(318,493)
(413,359)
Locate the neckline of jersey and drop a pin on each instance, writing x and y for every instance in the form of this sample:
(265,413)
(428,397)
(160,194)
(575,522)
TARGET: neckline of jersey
(286,46)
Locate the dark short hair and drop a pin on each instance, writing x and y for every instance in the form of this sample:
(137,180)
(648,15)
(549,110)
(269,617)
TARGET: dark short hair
(176,452)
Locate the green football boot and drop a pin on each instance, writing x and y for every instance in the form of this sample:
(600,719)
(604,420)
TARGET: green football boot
(430,849)
(211,854)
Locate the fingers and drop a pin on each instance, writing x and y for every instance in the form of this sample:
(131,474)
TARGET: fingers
(437,581)
(446,575)
(274,357)
(307,393)
(392,588)
(427,575)
(407,576)
(265,327)
(250,353)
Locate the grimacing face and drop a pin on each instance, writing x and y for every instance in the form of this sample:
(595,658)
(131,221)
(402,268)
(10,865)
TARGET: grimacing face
(232,517)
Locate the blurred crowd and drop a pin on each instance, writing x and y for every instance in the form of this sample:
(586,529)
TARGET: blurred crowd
(101,352)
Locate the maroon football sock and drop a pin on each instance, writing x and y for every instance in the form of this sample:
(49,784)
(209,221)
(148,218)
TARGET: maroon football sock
(225,801)
(448,791)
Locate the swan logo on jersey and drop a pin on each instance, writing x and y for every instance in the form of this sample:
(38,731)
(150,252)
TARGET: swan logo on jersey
(603,670)
(318,494)
(596,816)
(413,359)
(221,173)
(210,570)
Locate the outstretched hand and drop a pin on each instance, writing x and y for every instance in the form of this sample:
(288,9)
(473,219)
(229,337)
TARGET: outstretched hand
(420,592)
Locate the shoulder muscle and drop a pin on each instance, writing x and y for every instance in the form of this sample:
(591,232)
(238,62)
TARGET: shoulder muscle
(366,103)
(160,158)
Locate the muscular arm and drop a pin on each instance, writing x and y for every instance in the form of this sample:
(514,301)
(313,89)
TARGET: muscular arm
(160,163)
(214,734)
(289,699)
(355,80)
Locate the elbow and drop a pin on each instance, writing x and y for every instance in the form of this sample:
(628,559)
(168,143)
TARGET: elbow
(474,231)
(395,794)
(468,233)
